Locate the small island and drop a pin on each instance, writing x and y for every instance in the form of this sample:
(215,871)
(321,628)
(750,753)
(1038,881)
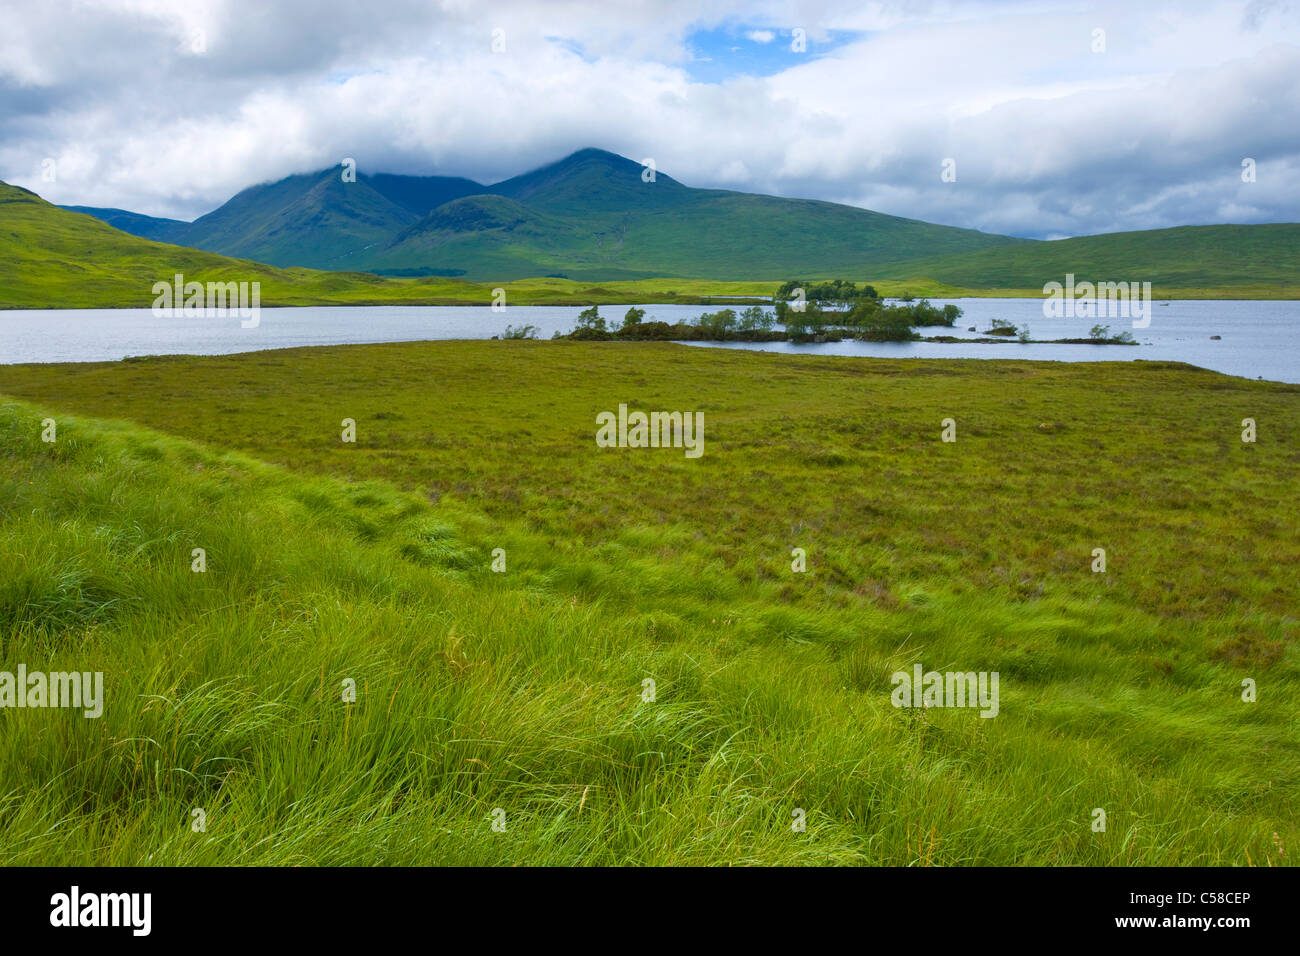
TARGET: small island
(808,312)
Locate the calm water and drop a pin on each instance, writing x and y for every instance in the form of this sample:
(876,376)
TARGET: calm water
(1259,339)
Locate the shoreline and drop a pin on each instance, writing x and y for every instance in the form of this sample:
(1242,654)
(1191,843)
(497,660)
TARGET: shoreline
(543,292)
(586,301)
(811,353)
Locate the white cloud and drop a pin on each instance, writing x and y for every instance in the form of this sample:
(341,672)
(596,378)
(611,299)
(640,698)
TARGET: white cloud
(761,36)
(1049,137)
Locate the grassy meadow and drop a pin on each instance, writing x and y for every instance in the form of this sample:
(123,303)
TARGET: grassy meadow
(524,691)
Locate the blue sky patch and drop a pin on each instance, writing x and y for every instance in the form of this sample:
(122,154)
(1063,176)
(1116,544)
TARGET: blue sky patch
(725,52)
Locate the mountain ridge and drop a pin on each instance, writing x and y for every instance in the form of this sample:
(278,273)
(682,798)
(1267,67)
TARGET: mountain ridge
(52,258)
(591,215)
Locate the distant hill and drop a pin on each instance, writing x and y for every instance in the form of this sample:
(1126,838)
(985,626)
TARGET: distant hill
(314,220)
(147,227)
(594,219)
(590,216)
(54,258)
(1185,257)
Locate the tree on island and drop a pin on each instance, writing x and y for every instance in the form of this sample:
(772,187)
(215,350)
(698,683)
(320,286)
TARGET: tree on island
(591,325)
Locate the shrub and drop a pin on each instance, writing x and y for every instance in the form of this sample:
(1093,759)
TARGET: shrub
(591,325)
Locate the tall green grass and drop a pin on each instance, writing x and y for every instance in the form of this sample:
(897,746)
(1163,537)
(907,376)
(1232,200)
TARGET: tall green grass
(523,691)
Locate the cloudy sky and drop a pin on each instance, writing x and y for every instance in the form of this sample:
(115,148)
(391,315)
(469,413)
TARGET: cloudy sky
(1061,118)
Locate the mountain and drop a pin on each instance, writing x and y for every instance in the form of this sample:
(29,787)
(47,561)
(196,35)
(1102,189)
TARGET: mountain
(147,227)
(314,220)
(422,194)
(592,216)
(53,258)
(593,179)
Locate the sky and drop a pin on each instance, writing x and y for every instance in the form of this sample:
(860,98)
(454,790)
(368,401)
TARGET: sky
(1036,119)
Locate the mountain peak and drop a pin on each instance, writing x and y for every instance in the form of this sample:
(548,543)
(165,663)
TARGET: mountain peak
(591,153)
(593,178)
(593,158)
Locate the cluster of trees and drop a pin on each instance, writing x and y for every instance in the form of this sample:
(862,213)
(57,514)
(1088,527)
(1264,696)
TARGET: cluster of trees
(862,314)
(838,292)
(869,319)
(826,308)
(725,321)
(751,325)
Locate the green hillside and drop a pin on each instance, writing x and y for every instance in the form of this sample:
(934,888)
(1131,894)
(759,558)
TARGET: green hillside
(594,179)
(52,258)
(1187,257)
(315,220)
(420,194)
(588,217)
(592,218)
(525,690)
(595,218)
